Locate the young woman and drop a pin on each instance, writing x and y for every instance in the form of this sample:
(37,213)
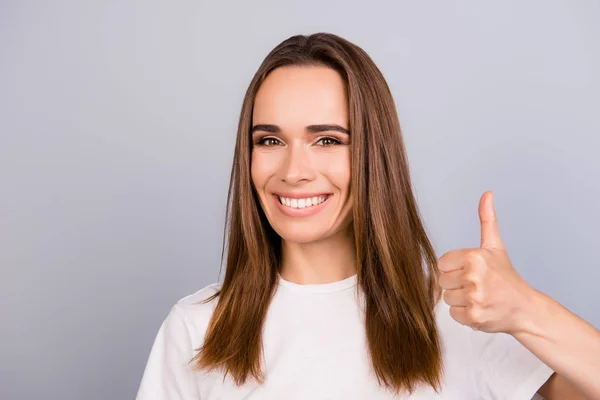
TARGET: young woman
(332,288)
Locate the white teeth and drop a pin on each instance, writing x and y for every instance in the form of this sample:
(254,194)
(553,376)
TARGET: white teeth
(302,203)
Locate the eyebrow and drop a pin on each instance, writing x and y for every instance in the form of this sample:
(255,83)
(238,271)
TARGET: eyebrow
(309,128)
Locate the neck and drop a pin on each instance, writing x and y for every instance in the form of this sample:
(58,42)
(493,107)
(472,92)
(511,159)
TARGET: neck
(323,261)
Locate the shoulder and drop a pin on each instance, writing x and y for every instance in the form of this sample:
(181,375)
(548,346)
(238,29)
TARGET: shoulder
(192,300)
(192,313)
(182,332)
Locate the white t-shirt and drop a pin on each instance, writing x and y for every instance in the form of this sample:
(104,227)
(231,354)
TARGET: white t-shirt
(315,348)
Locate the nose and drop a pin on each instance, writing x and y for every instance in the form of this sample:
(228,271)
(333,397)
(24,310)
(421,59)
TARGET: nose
(297,166)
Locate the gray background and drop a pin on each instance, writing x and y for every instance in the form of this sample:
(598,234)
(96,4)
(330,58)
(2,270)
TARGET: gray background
(118,121)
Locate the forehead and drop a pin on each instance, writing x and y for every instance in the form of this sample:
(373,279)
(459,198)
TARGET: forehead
(301,95)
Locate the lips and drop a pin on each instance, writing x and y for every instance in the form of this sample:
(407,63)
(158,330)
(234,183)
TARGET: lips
(305,211)
(302,202)
(301,195)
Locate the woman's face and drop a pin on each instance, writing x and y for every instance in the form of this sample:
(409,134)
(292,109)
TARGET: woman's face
(301,152)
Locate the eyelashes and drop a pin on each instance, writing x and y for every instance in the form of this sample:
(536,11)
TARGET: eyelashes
(270,141)
(332,141)
(267,141)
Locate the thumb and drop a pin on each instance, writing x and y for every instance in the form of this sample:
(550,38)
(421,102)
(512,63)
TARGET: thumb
(490,233)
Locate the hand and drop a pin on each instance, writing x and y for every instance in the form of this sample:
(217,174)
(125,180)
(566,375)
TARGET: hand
(483,289)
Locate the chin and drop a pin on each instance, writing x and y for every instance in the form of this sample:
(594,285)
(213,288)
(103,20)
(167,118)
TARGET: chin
(301,236)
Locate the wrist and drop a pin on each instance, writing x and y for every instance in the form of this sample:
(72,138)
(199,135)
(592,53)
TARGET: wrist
(534,313)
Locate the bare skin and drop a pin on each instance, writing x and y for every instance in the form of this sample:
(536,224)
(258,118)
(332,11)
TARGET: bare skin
(318,248)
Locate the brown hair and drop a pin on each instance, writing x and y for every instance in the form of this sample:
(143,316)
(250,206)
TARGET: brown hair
(390,239)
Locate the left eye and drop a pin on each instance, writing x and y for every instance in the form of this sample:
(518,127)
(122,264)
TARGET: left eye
(327,141)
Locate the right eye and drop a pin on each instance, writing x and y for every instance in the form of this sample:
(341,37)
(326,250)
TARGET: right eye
(268,141)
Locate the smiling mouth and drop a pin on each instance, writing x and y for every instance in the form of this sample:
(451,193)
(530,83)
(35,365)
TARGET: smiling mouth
(302,203)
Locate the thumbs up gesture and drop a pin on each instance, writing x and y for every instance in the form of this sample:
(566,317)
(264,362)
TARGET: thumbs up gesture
(483,289)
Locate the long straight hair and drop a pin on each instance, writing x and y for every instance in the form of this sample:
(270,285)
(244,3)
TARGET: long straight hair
(396,264)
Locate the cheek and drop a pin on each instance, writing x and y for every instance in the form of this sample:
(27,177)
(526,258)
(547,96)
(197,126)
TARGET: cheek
(339,170)
(261,167)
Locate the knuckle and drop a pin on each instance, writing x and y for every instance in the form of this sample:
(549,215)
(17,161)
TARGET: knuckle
(475,258)
(476,297)
(475,314)
(474,278)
